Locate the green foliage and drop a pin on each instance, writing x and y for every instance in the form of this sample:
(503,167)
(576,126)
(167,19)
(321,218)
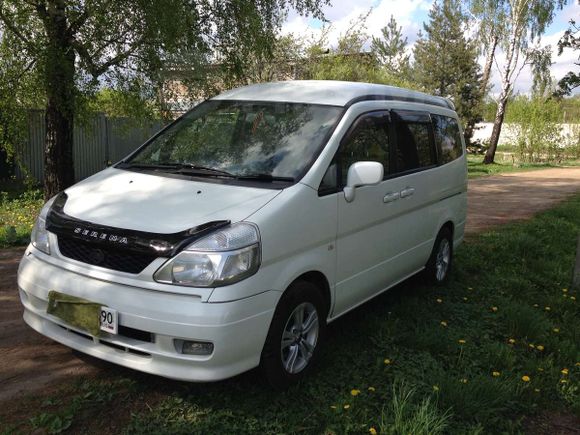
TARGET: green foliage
(540,137)
(389,49)
(446,62)
(116,103)
(570,40)
(17,216)
(348,61)
(403,416)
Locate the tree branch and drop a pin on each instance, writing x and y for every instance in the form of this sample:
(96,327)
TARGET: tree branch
(12,27)
(96,70)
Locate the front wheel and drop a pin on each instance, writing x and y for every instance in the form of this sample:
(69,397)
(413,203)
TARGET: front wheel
(439,265)
(295,335)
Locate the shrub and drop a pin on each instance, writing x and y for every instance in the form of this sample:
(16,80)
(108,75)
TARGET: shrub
(539,136)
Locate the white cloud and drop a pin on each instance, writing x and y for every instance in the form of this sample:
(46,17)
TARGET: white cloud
(407,14)
(343,14)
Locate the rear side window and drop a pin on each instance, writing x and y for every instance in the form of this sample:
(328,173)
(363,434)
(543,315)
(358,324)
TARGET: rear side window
(447,137)
(414,145)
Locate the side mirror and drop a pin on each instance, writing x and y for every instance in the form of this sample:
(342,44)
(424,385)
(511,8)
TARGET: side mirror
(362,174)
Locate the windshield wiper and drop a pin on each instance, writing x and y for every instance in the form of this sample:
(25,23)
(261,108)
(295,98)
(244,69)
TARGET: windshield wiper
(265,177)
(198,170)
(179,168)
(190,168)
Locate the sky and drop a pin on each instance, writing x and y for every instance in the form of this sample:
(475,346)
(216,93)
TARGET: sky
(410,15)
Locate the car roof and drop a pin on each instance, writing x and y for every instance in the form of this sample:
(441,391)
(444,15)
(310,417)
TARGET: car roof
(329,92)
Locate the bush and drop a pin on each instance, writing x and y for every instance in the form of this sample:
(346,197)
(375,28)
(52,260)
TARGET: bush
(17,216)
(539,136)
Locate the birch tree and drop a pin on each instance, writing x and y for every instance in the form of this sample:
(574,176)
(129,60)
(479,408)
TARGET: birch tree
(75,45)
(523,23)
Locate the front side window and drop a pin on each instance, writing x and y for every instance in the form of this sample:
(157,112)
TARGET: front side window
(243,138)
(447,137)
(368,141)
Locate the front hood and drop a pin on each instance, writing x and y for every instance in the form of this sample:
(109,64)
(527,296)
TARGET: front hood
(156,204)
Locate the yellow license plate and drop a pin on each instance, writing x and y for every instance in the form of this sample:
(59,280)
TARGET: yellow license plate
(76,312)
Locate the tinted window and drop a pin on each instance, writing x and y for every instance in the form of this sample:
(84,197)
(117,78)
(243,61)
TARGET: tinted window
(369,141)
(243,137)
(447,137)
(414,149)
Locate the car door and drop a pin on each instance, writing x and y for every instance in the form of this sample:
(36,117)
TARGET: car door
(381,232)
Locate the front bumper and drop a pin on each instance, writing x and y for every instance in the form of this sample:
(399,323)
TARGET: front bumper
(237,329)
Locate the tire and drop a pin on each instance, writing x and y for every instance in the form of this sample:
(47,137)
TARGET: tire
(293,346)
(438,266)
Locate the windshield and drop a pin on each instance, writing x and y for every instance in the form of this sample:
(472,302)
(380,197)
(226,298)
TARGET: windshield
(242,138)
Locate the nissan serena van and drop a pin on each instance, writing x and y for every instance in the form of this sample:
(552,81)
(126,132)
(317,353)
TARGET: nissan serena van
(235,235)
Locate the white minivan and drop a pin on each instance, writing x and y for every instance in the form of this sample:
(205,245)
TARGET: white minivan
(235,235)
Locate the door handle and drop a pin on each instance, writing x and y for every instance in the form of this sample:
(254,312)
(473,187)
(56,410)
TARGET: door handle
(407,191)
(390,197)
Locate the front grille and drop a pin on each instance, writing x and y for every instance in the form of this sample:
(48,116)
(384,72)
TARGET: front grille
(116,259)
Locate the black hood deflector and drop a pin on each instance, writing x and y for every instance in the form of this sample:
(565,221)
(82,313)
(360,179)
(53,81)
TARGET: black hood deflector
(158,244)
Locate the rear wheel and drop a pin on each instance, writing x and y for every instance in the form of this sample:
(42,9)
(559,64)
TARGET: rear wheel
(439,265)
(295,335)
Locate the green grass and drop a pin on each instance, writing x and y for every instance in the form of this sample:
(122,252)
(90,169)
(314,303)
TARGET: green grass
(18,211)
(391,365)
(476,168)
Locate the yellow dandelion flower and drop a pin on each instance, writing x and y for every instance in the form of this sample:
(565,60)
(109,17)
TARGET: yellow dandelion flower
(373,431)
(565,290)
(439,300)
(564,372)
(531,345)
(354,392)
(556,330)
(371,388)
(461,341)
(526,378)
(573,298)
(563,381)
(547,308)
(511,341)
(463,381)
(494,309)
(346,406)
(332,406)
(495,374)
(577,364)
(387,361)
(435,388)
(540,347)
(443,323)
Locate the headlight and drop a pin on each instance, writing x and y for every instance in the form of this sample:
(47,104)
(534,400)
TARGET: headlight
(39,235)
(222,258)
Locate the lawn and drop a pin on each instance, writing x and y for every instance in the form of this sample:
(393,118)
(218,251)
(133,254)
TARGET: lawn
(496,350)
(476,168)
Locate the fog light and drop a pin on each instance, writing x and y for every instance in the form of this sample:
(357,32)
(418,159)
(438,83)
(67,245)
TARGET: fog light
(196,348)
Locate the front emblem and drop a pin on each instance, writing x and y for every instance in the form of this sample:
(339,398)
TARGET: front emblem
(97,256)
(91,234)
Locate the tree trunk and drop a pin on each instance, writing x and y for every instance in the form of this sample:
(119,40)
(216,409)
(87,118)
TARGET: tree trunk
(60,92)
(497,124)
(488,63)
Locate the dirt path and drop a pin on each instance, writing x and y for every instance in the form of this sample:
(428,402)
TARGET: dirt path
(31,362)
(515,196)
